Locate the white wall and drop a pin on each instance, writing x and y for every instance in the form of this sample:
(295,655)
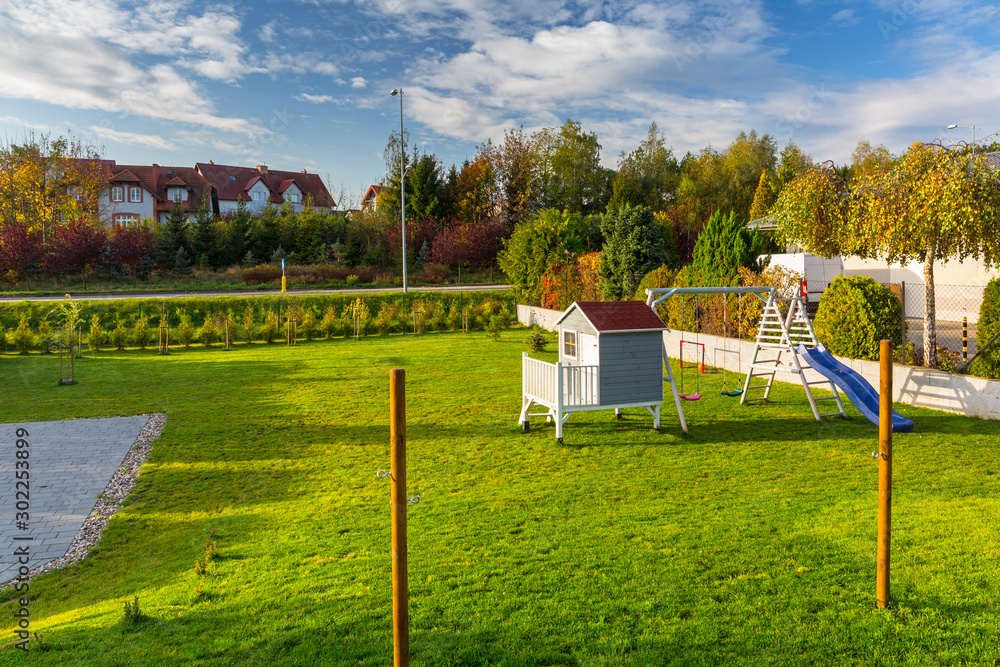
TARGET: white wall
(537,316)
(143,209)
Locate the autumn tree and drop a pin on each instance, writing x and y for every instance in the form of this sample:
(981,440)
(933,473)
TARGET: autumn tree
(77,246)
(930,203)
(130,247)
(476,195)
(547,236)
(647,176)
(516,168)
(570,173)
(21,250)
(763,198)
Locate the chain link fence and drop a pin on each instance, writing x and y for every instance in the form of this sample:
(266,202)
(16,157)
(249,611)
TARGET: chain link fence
(952,303)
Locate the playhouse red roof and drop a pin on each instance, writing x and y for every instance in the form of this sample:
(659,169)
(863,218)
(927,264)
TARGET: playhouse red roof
(609,316)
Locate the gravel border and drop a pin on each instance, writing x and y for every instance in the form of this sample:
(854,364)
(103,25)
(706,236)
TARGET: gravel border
(109,502)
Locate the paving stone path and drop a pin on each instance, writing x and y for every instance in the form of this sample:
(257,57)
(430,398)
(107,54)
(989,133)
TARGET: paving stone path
(71,463)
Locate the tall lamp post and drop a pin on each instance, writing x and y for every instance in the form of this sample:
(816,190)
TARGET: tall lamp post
(402,174)
(950,127)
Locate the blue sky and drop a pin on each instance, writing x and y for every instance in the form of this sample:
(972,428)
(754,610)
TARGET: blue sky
(306,84)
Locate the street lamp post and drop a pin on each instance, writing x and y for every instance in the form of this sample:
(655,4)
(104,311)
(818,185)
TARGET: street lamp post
(402,175)
(971,127)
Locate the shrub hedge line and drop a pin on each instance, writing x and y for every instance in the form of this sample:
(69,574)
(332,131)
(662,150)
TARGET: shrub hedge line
(27,326)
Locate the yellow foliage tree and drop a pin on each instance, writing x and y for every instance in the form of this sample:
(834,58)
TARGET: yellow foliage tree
(931,202)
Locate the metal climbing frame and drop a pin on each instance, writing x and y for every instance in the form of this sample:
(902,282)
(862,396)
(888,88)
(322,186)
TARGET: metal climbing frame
(780,334)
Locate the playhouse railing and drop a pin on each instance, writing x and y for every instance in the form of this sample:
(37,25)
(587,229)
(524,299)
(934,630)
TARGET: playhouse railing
(577,386)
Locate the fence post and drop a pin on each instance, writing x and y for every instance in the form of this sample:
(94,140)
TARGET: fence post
(397,445)
(882,597)
(902,303)
(965,340)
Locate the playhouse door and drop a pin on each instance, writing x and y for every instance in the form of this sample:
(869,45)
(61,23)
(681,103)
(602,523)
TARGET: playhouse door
(590,357)
(588,350)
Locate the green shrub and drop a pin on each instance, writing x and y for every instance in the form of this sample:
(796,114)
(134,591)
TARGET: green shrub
(185,330)
(856,313)
(141,333)
(119,335)
(536,340)
(45,337)
(209,332)
(248,327)
(385,321)
(330,323)
(95,336)
(987,364)
(269,331)
(308,325)
(23,339)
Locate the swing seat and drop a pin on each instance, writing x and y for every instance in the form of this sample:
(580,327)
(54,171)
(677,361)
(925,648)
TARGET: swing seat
(734,392)
(693,397)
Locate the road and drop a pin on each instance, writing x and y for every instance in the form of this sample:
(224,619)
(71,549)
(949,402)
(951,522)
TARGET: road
(298,292)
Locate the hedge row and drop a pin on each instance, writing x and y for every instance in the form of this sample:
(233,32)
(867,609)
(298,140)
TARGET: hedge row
(33,326)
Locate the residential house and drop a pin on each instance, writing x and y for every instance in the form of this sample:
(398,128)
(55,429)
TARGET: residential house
(140,192)
(255,188)
(370,200)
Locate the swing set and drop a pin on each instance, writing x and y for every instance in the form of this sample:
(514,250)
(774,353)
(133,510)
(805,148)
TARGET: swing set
(656,296)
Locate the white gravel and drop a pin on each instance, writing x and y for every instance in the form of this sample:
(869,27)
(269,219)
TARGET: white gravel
(110,501)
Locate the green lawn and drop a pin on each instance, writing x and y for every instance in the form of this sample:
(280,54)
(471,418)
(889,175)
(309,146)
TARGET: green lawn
(750,541)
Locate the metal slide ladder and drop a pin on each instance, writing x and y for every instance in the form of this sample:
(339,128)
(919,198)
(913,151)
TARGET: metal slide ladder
(779,335)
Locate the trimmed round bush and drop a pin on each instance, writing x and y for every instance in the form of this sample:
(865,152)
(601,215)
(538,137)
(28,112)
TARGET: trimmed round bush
(987,364)
(856,313)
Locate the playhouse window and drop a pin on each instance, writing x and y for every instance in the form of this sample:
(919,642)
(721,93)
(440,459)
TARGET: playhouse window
(569,344)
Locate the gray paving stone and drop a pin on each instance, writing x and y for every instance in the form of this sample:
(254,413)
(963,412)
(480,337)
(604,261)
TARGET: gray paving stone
(71,462)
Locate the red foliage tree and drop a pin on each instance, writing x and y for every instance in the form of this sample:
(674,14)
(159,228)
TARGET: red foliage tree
(418,232)
(470,243)
(130,246)
(20,249)
(77,246)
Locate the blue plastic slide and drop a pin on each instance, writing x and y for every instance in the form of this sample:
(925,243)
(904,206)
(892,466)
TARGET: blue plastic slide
(856,387)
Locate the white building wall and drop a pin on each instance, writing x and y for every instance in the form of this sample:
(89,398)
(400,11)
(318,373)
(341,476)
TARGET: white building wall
(143,209)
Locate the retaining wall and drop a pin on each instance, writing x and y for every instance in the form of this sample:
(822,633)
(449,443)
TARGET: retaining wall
(911,385)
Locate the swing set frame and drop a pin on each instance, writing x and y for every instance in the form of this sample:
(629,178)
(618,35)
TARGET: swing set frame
(657,295)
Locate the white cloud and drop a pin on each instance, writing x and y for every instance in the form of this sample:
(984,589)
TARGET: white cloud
(151,140)
(358,82)
(845,18)
(315,99)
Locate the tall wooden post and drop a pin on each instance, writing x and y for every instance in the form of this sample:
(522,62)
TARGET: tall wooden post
(882,597)
(397,446)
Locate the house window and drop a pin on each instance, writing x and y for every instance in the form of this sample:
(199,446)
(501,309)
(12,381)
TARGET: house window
(232,178)
(117,193)
(569,344)
(135,194)
(178,195)
(257,195)
(295,199)
(126,219)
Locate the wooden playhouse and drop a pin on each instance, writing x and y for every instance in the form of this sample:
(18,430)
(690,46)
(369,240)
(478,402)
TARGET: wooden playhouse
(610,357)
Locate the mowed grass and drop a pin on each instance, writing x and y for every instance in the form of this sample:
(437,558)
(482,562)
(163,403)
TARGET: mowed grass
(750,541)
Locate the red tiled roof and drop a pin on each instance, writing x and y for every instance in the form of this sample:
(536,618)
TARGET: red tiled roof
(125,176)
(231,183)
(156,179)
(618,315)
(176,180)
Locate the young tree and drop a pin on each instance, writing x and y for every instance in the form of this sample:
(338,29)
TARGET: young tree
(634,243)
(763,198)
(930,203)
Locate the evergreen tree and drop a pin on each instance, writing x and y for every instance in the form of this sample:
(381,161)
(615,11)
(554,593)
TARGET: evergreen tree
(237,231)
(205,244)
(763,198)
(171,237)
(724,246)
(634,244)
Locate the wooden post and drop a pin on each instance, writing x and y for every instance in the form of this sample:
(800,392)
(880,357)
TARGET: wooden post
(882,597)
(397,445)
(227,332)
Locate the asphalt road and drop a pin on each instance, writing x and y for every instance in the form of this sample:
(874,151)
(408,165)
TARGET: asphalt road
(173,295)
